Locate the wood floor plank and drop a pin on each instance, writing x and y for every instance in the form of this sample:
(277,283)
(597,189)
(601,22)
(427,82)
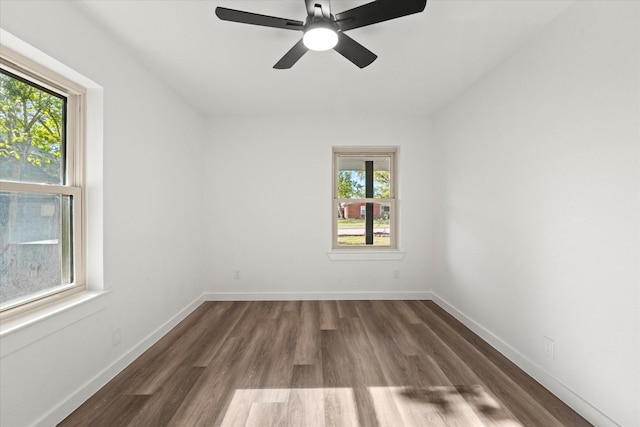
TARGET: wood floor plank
(271,414)
(402,309)
(335,362)
(294,306)
(364,364)
(102,399)
(212,390)
(328,315)
(120,411)
(385,407)
(424,371)
(253,363)
(347,309)
(217,331)
(279,361)
(396,326)
(339,371)
(307,376)
(385,346)
(305,407)
(162,405)
(322,363)
(275,309)
(340,408)
(243,400)
(308,340)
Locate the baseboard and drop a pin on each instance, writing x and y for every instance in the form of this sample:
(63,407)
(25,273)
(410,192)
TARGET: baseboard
(551,383)
(316,296)
(71,403)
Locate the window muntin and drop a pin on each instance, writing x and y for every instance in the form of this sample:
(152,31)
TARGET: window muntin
(40,193)
(364,202)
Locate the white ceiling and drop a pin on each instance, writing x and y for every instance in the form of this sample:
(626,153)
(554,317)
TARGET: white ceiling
(221,68)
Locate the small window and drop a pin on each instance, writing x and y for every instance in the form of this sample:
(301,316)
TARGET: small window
(364,198)
(40,186)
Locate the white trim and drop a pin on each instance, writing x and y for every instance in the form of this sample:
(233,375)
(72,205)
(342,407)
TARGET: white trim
(547,380)
(72,402)
(369,255)
(317,296)
(46,320)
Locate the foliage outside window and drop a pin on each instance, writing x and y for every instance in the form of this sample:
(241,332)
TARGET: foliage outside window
(364,198)
(40,193)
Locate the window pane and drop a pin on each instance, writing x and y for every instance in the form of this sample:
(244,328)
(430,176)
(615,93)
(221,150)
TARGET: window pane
(35,245)
(352,183)
(31,132)
(352,224)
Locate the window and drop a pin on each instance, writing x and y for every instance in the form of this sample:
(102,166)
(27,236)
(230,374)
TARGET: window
(364,203)
(41,205)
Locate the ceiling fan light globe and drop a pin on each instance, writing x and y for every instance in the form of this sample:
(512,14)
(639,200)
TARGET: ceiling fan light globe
(320,38)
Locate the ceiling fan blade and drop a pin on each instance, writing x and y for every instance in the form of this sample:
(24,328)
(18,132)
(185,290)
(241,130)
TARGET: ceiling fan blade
(354,51)
(256,19)
(324,4)
(378,11)
(291,57)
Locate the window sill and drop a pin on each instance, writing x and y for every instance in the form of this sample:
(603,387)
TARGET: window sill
(46,320)
(371,255)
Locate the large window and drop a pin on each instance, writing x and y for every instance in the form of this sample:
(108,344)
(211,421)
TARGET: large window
(364,198)
(41,218)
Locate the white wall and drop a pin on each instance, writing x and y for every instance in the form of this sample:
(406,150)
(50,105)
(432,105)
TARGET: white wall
(537,207)
(152,223)
(268,207)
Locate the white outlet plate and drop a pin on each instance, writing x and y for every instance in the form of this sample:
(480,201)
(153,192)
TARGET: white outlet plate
(549,347)
(236,275)
(396,273)
(116,336)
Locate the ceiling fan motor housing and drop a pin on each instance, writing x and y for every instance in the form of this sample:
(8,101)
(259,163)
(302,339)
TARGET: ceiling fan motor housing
(320,33)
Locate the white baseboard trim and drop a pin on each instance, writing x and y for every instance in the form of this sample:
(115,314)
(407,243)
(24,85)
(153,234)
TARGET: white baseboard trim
(551,383)
(72,402)
(316,296)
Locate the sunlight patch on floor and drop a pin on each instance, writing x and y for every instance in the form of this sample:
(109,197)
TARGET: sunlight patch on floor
(466,406)
(439,406)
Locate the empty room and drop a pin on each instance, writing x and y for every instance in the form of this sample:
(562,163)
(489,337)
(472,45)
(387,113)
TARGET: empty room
(320,213)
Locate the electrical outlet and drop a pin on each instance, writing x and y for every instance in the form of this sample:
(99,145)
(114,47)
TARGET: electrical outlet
(116,336)
(396,273)
(236,275)
(549,347)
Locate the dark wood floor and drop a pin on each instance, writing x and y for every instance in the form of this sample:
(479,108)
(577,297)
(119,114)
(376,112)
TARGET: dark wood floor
(316,363)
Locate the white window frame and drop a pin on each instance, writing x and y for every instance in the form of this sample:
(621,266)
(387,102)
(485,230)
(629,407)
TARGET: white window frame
(76,98)
(392,200)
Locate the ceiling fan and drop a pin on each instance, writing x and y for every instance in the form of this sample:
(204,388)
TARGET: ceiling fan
(323,30)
